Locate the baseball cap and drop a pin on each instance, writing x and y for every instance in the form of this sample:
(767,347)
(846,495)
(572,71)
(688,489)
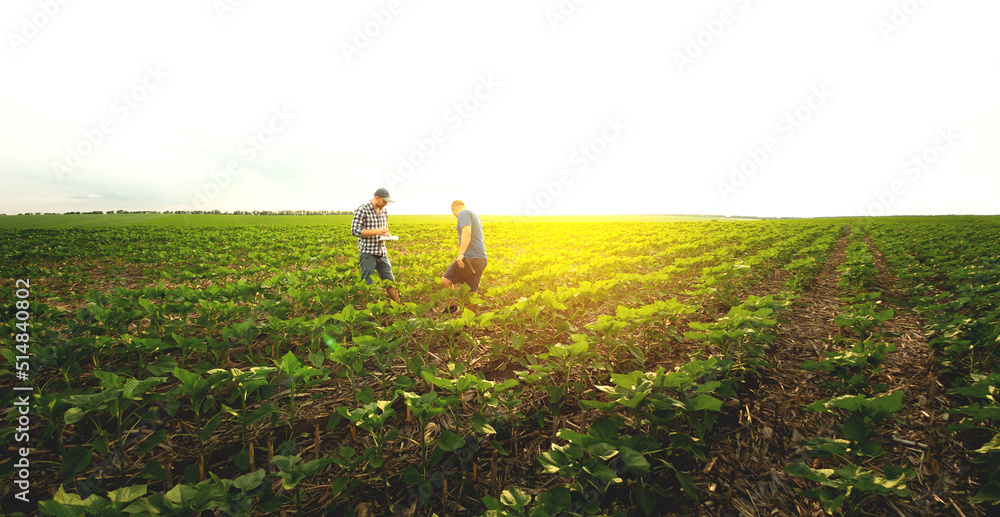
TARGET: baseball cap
(384,194)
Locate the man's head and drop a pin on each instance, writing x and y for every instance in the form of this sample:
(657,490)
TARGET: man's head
(381,199)
(457,206)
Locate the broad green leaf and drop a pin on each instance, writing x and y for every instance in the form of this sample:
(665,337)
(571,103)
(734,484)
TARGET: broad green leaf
(249,481)
(602,450)
(74,461)
(153,471)
(687,484)
(152,441)
(991,446)
(73,415)
(450,441)
(338,486)
(604,429)
(412,476)
(705,403)
(602,472)
(801,470)
(885,405)
(480,425)
(58,509)
(633,460)
(515,498)
(855,428)
(206,432)
(126,494)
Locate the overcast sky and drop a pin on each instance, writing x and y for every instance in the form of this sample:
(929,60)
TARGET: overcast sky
(770,107)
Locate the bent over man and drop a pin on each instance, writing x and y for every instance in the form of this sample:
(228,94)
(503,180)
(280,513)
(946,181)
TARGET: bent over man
(468,267)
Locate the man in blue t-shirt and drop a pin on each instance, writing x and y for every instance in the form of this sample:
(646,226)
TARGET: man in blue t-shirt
(468,267)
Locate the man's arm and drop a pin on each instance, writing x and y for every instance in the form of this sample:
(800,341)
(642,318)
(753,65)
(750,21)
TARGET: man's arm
(464,244)
(356,223)
(357,226)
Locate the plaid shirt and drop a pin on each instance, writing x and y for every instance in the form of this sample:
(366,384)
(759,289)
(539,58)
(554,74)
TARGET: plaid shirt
(366,218)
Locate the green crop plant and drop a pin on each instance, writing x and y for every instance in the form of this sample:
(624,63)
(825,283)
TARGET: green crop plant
(292,471)
(352,464)
(239,335)
(300,376)
(232,497)
(855,367)
(455,332)
(51,409)
(162,321)
(188,345)
(661,398)
(372,417)
(512,503)
(348,357)
(857,272)
(280,331)
(384,353)
(351,322)
(113,320)
(424,407)
(300,299)
(804,271)
(246,384)
(665,407)
(983,415)
(863,412)
(740,334)
(66,356)
(968,344)
(862,318)
(114,504)
(608,328)
(199,392)
(142,349)
(117,397)
(599,460)
(661,319)
(211,312)
(847,488)
(567,357)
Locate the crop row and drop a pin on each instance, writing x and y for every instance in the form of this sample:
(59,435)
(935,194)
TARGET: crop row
(860,402)
(952,277)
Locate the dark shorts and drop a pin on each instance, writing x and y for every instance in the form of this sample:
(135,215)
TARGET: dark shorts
(469,275)
(371,263)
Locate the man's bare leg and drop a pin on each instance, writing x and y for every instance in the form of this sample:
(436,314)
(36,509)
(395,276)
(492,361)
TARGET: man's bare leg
(393,294)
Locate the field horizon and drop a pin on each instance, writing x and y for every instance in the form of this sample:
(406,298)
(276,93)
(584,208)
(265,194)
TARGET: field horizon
(112,220)
(56,221)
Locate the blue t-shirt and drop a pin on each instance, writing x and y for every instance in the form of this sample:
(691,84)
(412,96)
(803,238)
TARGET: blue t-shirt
(477,245)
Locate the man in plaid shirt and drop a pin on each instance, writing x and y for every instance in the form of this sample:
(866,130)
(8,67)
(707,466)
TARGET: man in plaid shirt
(370,222)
